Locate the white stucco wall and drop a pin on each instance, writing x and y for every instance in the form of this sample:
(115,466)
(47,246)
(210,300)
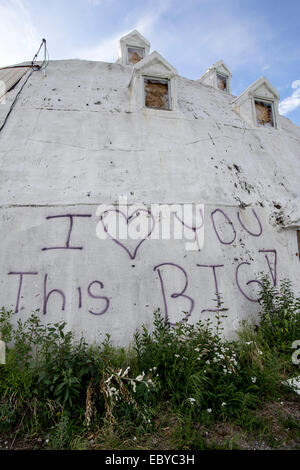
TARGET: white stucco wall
(74,141)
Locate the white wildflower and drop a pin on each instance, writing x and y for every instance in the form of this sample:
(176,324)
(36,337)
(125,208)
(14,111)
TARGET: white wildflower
(254,379)
(224,403)
(192,400)
(209,410)
(133,384)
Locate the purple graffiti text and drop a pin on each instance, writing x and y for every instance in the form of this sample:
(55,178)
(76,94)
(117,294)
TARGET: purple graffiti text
(21,274)
(218,296)
(106,299)
(175,295)
(260,230)
(71,223)
(229,222)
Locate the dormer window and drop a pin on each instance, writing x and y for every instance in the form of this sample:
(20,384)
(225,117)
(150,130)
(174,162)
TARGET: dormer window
(258,104)
(134,54)
(133,48)
(156,93)
(153,85)
(217,76)
(222,82)
(264,113)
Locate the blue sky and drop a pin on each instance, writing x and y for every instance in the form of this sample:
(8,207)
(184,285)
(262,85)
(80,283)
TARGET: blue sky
(253,37)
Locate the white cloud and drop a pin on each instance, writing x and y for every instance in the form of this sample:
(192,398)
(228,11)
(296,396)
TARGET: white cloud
(18,38)
(296,84)
(107,49)
(292,102)
(95,2)
(233,38)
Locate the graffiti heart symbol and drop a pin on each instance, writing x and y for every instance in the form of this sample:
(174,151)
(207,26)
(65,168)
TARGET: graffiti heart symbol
(134,216)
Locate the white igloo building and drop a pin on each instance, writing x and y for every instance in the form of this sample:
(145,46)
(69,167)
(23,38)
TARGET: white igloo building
(94,142)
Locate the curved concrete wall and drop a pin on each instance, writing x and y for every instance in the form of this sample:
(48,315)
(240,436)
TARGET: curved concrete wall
(76,139)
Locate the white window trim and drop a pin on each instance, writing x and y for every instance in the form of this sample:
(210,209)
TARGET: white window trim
(128,46)
(163,79)
(266,101)
(223,75)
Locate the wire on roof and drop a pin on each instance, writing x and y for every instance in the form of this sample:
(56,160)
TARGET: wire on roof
(46,56)
(32,64)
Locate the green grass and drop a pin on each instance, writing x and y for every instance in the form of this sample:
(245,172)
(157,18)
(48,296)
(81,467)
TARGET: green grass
(179,387)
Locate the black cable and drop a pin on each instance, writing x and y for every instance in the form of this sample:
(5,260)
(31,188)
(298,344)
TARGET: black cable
(45,61)
(43,42)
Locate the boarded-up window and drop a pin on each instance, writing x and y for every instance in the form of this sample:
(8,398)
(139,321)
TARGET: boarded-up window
(298,238)
(264,113)
(134,54)
(222,82)
(156,93)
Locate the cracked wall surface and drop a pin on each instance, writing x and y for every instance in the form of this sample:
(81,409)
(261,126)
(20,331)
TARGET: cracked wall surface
(74,141)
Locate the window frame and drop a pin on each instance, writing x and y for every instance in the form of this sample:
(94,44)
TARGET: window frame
(222,75)
(268,102)
(160,79)
(134,47)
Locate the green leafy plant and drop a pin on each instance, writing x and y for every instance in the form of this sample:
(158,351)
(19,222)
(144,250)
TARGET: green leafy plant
(82,395)
(280,314)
